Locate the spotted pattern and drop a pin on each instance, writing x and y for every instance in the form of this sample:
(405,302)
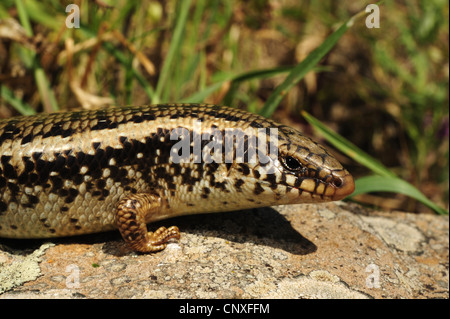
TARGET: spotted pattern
(65,173)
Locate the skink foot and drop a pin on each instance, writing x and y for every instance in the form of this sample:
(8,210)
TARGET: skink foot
(130,220)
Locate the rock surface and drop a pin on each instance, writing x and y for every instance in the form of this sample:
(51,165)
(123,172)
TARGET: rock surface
(333,250)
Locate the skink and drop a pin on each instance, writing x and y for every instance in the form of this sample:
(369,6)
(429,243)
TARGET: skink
(72,173)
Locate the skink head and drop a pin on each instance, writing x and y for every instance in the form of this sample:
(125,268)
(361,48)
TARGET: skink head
(304,171)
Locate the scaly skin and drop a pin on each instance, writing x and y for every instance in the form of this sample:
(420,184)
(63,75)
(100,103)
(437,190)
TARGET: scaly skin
(74,173)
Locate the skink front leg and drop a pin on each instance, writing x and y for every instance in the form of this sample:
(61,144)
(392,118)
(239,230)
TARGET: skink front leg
(131,222)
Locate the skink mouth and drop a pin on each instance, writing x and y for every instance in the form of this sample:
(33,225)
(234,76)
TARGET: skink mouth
(345,185)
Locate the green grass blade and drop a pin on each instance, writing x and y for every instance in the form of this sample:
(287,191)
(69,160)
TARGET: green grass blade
(40,13)
(385,181)
(255,74)
(174,47)
(376,183)
(123,60)
(258,75)
(22,107)
(348,148)
(304,67)
(45,90)
(23,17)
(203,94)
(262,74)
(186,71)
(47,97)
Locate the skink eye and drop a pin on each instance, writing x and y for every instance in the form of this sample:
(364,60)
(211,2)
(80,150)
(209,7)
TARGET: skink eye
(291,163)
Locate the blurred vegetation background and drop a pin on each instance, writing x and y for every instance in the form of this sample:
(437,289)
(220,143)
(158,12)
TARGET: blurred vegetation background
(384,89)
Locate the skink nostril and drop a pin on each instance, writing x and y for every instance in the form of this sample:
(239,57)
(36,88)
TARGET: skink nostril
(337,182)
(345,185)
